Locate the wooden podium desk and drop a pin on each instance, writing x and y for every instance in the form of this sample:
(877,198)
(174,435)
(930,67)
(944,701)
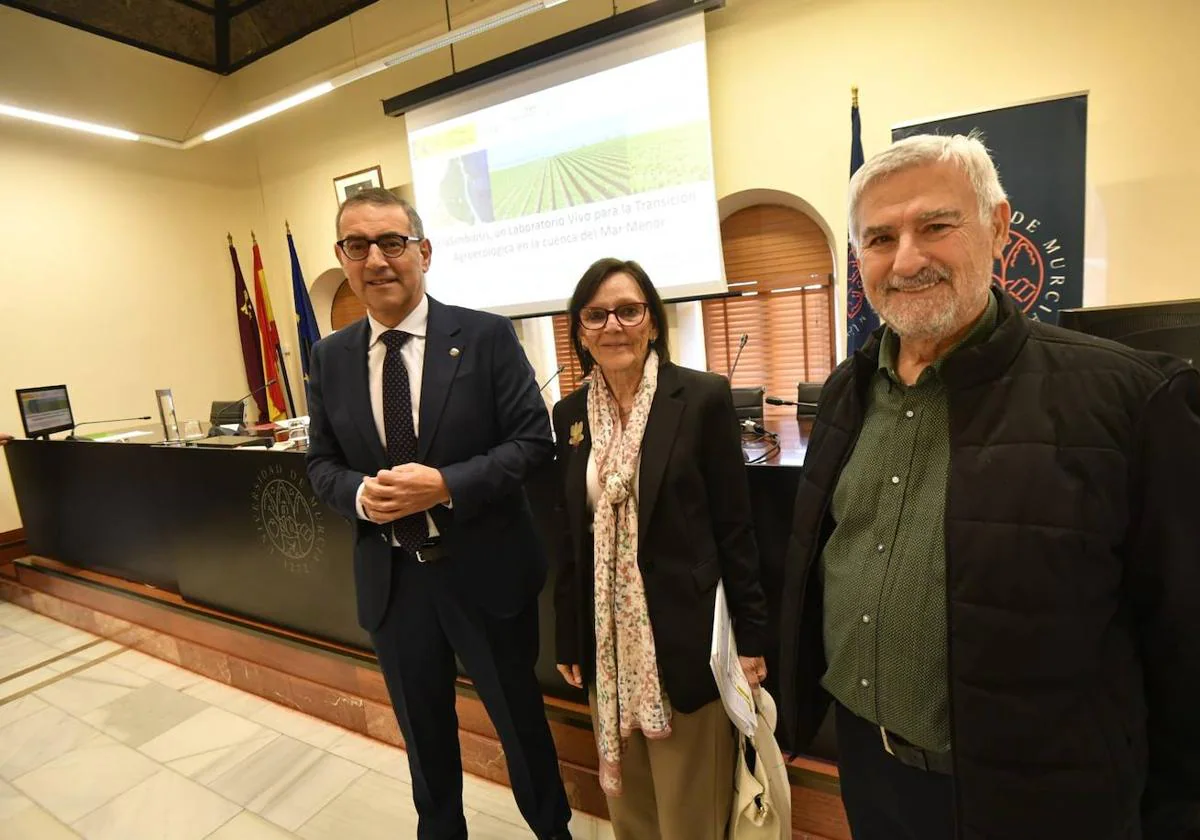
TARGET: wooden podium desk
(241,533)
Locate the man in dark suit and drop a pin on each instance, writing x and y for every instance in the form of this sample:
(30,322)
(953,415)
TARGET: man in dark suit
(426,421)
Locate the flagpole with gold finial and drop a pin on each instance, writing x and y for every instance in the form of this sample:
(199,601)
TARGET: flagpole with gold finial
(282,367)
(854,96)
(287,227)
(229,236)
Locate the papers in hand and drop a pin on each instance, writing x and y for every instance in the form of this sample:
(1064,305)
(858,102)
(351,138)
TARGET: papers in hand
(727,670)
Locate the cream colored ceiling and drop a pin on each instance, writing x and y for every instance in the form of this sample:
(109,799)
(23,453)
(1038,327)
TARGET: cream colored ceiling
(52,67)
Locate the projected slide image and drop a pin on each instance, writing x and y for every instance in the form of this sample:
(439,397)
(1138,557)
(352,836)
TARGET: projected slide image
(525,181)
(594,173)
(670,157)
(465,192)
(610,169)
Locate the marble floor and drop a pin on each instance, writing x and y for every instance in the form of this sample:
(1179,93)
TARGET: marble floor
(105,743)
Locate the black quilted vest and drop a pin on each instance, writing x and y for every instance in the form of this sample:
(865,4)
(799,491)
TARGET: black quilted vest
(1047,697)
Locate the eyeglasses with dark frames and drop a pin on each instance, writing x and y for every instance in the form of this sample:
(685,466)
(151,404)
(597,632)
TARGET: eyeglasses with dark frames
(391,245)
(627,314)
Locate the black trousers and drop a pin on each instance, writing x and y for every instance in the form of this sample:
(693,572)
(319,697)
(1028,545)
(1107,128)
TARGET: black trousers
(427,623)
(884,799)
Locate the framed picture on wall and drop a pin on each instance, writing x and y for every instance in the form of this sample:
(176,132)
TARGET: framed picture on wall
(347,185)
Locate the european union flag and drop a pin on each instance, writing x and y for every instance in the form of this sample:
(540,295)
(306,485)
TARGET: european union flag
(861,319)
(306,321)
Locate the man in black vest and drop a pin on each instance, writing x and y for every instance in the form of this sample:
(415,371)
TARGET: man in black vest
(995,563)
(426,421)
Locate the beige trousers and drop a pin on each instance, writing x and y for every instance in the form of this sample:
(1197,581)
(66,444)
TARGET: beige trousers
(679,787)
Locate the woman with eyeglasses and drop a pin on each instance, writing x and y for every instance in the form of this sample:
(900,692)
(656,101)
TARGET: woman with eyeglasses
(655,511)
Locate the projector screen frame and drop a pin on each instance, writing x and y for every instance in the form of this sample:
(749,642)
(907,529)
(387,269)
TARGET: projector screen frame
(560,46)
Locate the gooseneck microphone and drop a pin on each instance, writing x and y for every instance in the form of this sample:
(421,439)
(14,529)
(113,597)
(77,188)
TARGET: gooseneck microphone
(72,436)
(782,401)
(553,376)
(741,346)
(256,390)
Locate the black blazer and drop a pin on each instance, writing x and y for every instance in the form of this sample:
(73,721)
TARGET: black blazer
(694,528)
(482,423)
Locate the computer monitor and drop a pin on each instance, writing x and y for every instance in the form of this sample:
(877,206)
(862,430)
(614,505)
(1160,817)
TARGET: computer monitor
(45,410)
(1168,327)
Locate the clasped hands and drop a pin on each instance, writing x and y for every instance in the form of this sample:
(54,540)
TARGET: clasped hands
(402,491)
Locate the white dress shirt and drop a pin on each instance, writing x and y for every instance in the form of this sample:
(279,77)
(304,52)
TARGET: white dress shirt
(413,356)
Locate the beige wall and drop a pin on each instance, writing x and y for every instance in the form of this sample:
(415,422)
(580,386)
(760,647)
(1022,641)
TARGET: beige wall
(144,293)
(114,278)
(781,73)
(140,296)
(300,153)
(50,67)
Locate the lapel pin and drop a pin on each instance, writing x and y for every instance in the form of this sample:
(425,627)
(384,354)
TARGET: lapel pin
(454,351)
(576,437)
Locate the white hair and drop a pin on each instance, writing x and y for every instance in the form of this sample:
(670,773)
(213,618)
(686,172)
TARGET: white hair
(968,152)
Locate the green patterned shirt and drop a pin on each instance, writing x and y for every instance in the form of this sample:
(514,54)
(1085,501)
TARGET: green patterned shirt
(885,562)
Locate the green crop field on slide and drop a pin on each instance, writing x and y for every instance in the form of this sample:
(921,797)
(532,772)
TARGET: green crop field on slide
(611,169)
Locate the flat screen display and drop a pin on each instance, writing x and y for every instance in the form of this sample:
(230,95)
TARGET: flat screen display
(45,410)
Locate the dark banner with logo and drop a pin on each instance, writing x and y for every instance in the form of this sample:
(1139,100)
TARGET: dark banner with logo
(1040,151)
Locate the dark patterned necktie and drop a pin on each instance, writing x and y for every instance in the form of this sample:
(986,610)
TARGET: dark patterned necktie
(411,531)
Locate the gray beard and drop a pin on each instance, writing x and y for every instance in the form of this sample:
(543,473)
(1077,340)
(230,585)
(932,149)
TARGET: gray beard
(927,322)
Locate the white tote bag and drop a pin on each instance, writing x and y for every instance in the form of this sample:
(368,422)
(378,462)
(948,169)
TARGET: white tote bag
(762,797)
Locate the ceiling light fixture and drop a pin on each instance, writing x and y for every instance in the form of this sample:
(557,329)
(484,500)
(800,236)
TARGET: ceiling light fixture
(67,122)
(476,28)
(424,48)
(448,39)
(268,111)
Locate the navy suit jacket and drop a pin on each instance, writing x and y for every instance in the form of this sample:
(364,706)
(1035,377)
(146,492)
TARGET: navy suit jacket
(482,423)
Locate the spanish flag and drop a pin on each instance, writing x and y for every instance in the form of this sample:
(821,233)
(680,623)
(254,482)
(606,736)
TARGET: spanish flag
(269,336)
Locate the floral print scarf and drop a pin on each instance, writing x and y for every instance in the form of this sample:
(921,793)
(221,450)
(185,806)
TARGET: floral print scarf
(629,691)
